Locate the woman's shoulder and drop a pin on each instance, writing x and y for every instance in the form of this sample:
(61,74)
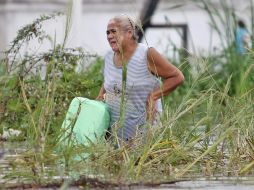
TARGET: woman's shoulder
(108,56)
(142,46)
(142,49)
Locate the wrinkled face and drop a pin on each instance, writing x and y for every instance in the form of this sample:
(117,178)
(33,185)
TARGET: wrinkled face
(115,36)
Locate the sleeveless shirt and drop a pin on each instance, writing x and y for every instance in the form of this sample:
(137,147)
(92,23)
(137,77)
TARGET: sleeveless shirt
(139,84)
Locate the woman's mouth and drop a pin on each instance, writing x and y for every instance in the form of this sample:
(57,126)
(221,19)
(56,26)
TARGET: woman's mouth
(112,43)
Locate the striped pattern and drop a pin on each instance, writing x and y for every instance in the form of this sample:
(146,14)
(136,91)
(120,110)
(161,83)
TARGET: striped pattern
(140,82)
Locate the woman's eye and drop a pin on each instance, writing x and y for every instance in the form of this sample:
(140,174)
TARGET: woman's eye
(113,31)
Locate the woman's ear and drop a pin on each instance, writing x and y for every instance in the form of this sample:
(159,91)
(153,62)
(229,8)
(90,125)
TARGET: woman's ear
(130,34)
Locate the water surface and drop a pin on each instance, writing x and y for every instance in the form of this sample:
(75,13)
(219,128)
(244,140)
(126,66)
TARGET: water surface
(10,151)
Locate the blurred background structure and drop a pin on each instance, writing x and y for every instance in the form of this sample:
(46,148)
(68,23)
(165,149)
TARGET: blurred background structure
(168,24)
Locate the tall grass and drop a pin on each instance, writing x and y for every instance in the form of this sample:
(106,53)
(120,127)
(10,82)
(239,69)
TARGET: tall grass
(224,21)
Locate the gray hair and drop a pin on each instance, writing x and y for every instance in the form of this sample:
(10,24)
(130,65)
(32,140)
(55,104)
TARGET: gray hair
(126,23)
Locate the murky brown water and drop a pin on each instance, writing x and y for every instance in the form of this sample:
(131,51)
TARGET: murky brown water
(11,151)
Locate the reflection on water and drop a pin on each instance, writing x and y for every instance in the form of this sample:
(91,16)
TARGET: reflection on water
(7,151)
(11,151)
(218,184)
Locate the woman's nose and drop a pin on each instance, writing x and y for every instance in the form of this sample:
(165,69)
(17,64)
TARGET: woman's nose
(110,35)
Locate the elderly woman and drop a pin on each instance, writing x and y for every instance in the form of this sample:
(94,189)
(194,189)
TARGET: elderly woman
(142,90)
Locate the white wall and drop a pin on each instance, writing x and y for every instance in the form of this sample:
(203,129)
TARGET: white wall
(91,17)
(202,39)
(16,16)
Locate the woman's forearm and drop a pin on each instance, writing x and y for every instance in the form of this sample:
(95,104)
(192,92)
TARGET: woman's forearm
(167,86)
(101,93)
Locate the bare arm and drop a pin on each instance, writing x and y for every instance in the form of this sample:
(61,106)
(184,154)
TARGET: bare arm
(101,93)
(171,77)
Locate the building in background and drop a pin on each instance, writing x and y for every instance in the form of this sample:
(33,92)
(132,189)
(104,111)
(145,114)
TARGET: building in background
(90,18)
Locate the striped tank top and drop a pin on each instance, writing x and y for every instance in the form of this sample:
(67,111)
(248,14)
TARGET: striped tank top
(140,83)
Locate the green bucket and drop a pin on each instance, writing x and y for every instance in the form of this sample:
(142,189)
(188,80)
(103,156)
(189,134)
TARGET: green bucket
(86,121)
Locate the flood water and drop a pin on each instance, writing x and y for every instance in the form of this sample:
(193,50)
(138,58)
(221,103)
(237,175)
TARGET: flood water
(10,151)
(219,184)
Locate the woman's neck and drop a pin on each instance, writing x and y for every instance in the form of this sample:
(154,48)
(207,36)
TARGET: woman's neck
(125,55)
(127,51)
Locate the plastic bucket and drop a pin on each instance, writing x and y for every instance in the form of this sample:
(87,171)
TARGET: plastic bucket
(86,121)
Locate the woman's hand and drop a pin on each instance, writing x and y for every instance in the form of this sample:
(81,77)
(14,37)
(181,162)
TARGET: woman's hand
(100,97)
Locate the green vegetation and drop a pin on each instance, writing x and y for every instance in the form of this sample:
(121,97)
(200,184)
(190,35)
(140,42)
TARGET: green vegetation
(206,129)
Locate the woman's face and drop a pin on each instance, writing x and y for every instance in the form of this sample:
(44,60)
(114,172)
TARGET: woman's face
(115,36)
